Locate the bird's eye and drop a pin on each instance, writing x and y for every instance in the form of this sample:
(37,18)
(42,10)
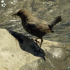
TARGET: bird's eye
(19,13)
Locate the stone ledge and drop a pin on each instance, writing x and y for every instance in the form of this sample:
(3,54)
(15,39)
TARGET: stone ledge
(20,53)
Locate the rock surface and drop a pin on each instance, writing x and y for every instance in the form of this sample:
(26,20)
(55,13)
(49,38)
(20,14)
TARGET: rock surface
(18,52)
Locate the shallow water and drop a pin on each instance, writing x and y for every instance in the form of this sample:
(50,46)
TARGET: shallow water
(44,9)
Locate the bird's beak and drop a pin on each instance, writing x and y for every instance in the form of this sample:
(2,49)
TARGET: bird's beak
(14,14)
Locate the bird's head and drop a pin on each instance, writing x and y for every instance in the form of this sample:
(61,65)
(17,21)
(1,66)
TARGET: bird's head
(21,13)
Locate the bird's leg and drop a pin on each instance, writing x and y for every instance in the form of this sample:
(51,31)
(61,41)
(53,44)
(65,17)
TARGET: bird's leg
(36,40)
(41,42)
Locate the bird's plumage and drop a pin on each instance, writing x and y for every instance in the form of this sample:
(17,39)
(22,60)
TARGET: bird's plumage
(36,26)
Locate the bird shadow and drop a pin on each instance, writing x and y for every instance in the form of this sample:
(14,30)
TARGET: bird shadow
(28,45)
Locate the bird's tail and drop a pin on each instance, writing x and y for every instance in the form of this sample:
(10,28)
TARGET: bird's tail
(54,22)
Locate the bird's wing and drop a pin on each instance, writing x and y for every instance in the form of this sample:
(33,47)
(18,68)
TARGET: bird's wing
(39,25)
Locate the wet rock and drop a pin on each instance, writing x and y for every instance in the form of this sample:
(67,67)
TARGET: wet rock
(58,53)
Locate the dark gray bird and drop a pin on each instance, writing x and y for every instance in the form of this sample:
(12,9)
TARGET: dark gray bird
(36,26)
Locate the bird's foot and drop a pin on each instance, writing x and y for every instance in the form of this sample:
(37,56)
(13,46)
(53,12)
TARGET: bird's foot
(36,41)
